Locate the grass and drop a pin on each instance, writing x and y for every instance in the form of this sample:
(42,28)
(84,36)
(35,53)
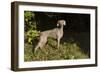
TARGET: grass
(68,50)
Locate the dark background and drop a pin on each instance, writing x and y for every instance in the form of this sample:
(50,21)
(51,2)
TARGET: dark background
(74,22)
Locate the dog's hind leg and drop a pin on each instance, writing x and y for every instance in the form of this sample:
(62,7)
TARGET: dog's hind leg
(41,43)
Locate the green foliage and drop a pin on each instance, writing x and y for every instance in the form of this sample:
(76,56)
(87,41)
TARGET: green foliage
(30,27)
(29,19)
(28,52)
(32,34)
(28,15)
(51,52)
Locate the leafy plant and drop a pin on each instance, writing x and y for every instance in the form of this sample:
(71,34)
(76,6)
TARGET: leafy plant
(32,34)
(30,27)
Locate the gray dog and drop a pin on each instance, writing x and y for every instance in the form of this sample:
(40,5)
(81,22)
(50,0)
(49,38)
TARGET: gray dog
(56,33)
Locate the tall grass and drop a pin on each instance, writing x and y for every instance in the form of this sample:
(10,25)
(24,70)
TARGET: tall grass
(67,50)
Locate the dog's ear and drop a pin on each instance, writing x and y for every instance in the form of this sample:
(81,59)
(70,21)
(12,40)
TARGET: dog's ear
(57,24)
(64,22)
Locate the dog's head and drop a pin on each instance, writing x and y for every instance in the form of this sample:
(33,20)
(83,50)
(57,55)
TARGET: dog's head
(61,23)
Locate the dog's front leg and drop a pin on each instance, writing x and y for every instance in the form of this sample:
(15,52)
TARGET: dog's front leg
(58,42)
